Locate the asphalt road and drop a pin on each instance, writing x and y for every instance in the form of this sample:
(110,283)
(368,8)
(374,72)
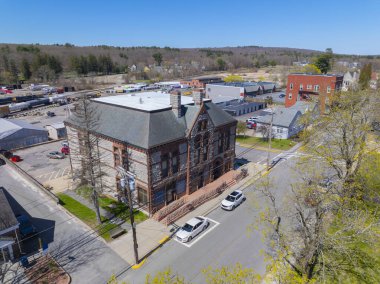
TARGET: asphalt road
(86,258)
(225,243)
(253,155)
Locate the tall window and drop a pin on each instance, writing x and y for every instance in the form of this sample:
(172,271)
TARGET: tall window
(175,162)
(164,166)
(197,149)
(328,89)
(142,195)
(301,87)
(290,96)
(291,86)
(316,88)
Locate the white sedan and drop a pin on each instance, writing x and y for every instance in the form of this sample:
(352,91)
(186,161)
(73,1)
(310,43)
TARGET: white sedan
(233,200)
(191,229)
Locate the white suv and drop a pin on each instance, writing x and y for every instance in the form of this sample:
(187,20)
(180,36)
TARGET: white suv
(233,200)
(192,228)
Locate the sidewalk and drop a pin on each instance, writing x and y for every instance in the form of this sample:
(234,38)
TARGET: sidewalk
(151,234)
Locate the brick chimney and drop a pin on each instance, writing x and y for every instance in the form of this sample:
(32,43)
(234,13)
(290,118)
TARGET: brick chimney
(175,102)
(198,97)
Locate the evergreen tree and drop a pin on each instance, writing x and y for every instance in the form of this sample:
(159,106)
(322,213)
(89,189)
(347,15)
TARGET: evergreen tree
(365,76)
(25,69)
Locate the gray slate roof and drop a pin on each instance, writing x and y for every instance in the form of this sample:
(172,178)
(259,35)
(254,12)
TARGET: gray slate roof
(149,129)
(7,217)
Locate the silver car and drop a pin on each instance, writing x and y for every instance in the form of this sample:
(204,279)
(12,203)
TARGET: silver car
(55,155)
(191,229)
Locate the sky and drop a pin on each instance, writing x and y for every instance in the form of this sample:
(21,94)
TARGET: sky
(349,26)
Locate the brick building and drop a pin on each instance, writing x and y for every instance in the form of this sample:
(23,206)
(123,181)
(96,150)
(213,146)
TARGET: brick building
(173,144)
(200,82)
(305,87)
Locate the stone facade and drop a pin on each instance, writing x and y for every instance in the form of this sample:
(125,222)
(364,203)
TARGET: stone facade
(166,172)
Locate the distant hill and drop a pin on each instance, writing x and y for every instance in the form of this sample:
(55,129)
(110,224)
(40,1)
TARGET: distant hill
(46,62)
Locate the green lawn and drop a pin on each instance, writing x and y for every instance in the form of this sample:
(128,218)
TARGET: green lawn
(281,144)
(120,209)
(88,215)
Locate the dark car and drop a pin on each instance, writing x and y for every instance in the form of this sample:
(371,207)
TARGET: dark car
(281,96)
(2,162)
(274,162)
(7,154)
(50,114)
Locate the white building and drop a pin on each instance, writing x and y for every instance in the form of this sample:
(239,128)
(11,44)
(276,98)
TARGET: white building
(56,131)
(350,81)
(286,121)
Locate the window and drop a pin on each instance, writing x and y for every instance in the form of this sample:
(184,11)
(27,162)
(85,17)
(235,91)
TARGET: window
(316,88)
(291,86)
(309,87)
(290,96)
(328,89)
(301,87)
(175,162)
(197,149)
(142,195)
(116,156)
(164,166)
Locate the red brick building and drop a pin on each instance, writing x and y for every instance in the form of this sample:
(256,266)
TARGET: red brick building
(303,87)
(200,82)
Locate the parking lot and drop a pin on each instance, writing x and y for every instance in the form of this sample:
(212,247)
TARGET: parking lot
(37,164)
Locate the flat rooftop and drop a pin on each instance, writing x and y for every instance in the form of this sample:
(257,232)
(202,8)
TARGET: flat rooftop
(145,101)
(320,75)
(235,84)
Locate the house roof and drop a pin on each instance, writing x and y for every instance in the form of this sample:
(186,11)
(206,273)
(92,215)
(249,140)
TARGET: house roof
(58,125)
(7,217)
(149,129)
(285,116)
(10,126)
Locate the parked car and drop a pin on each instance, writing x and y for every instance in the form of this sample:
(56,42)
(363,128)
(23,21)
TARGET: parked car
(65,150)
(26,228)
(281,96)
(7,154)
(15,158)
(50,114)
(251,125)
(233,200)
(2,162)
(192,228)
(56,155)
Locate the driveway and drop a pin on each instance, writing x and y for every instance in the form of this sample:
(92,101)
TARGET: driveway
(83,255)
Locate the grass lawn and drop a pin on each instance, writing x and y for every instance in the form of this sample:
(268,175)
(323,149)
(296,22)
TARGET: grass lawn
(120,209)
(281,144)
(87,215)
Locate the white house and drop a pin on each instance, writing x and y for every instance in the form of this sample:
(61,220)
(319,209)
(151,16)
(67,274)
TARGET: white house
(286,121)
(350,81)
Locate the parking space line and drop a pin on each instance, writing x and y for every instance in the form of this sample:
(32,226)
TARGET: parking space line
(201,235)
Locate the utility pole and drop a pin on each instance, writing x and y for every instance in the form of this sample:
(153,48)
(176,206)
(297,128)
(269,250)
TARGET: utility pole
(124,182)
(270,138)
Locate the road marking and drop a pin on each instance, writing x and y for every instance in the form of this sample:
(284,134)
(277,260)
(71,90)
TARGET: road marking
(201,235)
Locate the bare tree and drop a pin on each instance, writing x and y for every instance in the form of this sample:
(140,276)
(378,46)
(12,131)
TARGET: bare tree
(86,159)
(327,231)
